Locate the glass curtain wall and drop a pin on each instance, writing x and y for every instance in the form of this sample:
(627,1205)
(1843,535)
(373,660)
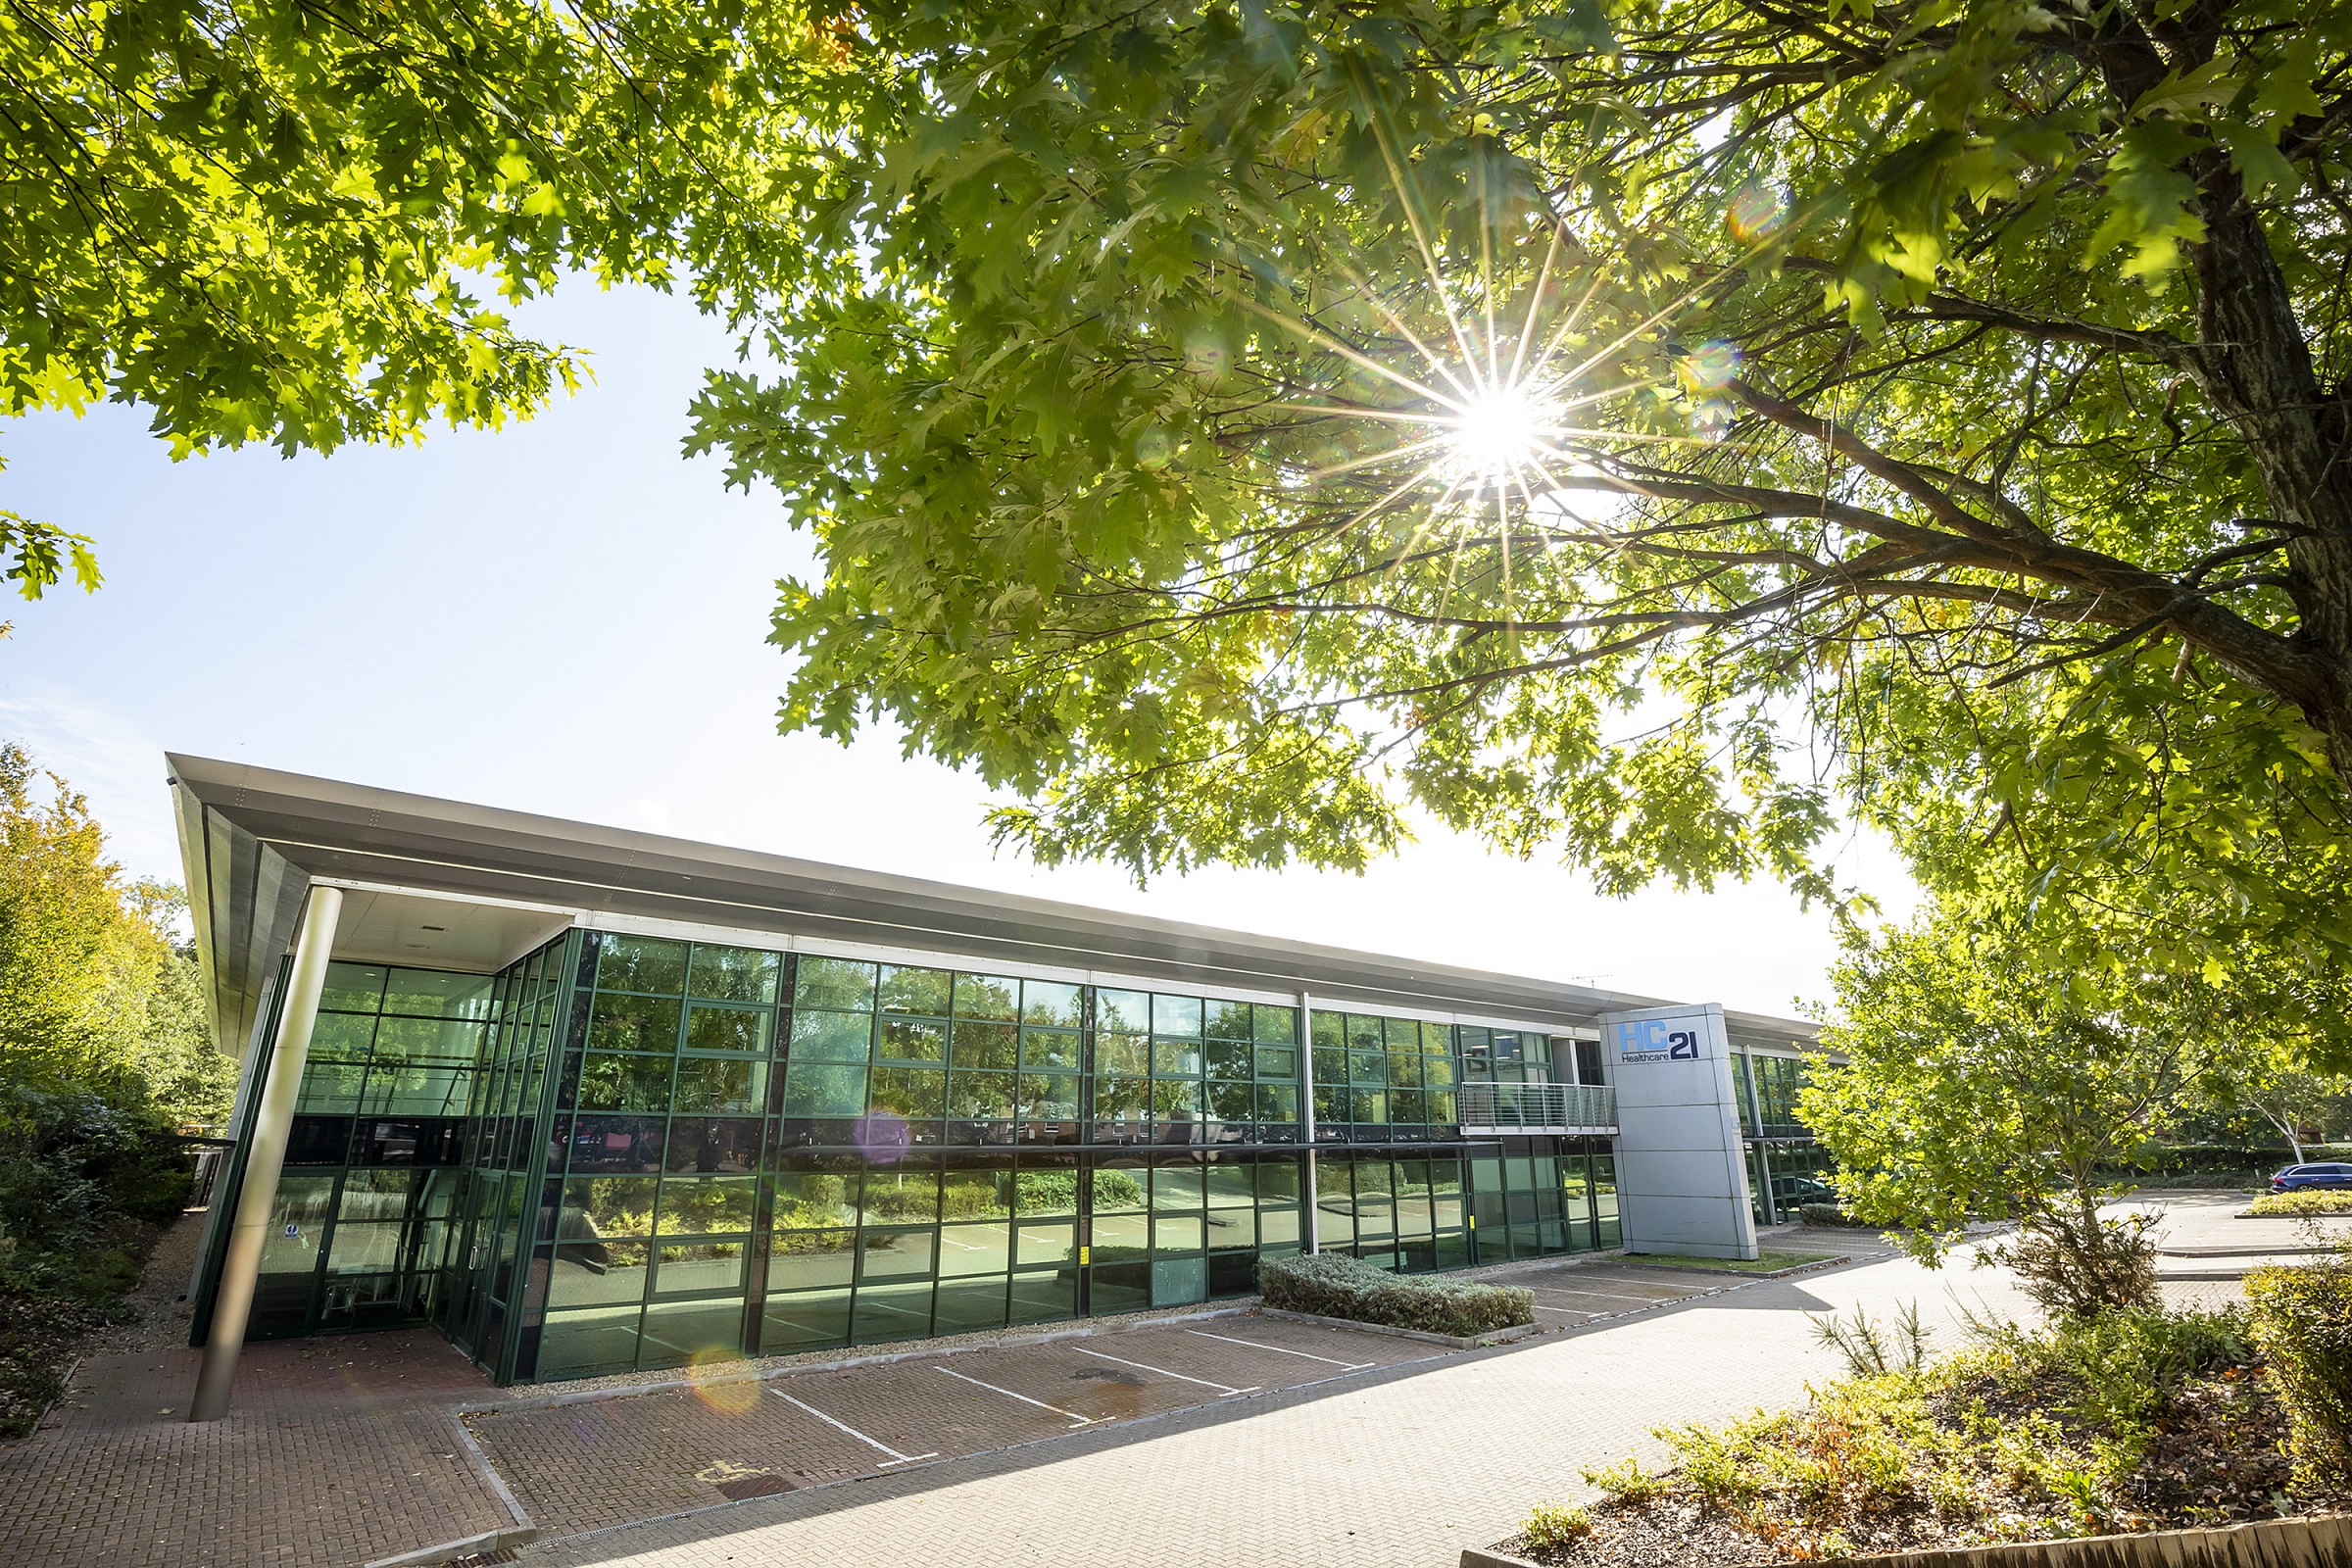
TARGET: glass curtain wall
(360,1216)
(493,1277)
(1787,1168)
(1538,1196)
(764,1154)
(630,1152)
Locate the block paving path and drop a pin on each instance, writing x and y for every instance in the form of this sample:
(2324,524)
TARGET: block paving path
(1243,1437)
(336,1453)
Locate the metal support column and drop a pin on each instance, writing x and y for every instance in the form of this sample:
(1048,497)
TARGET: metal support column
(1313,1235)
(240,1269)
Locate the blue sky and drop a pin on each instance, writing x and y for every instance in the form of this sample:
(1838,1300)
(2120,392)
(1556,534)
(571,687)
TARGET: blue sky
(565,617)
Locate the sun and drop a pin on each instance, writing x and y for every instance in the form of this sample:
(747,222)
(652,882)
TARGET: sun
(1501,432)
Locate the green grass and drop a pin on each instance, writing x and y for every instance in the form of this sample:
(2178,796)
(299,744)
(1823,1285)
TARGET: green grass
(1762,1263)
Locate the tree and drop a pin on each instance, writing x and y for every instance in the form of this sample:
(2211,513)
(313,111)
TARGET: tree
(94,998)
(1250,426)
(305,223)
(2291,1099)
(1980,1085)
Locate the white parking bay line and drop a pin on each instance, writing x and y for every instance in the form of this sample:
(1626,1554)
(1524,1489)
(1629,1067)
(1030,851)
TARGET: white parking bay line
(1223,1392)
(1353,1366)
(1566,1311)
(1609,1296)
(1076,1419)
(896,1457)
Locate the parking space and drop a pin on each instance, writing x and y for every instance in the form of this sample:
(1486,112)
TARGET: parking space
(595,1463)
(607,1462)
(1570,1293)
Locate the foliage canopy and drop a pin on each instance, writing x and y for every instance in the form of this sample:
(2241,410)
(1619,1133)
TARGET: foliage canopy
(1947,425)
(306,223)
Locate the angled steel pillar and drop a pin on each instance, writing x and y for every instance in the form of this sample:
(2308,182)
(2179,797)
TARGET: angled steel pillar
(241,1267)
(1312,1239)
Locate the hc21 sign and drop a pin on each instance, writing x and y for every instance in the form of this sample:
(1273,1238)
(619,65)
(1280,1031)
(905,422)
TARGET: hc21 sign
(1658,1040)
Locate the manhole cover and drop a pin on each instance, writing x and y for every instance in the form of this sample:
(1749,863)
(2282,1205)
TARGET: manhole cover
(742,1489)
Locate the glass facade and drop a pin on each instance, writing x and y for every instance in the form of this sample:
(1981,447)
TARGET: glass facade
(628,1152)
(1787,1168)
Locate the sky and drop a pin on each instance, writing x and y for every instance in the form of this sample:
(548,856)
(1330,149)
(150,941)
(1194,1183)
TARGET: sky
(567,617)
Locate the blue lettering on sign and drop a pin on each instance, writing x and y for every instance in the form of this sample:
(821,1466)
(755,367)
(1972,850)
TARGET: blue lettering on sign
(1653,1040)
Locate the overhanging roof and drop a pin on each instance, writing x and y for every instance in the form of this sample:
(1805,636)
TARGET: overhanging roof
(254,838)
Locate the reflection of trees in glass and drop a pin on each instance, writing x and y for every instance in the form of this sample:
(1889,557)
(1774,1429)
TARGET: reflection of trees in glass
(718,1084)
(733,974)
(994,1045)
(813,1200)
(624,1083)
(923,990)
(1043,1192)
(918,1093)
(1116,1189)
(694,1204)
(976,1195)
(839,983)
(642,964)
(988,995)
(601,1207)
(634,1023)
(1048,1002)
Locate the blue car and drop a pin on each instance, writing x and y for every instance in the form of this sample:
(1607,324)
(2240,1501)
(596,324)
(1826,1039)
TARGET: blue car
(2296,1178)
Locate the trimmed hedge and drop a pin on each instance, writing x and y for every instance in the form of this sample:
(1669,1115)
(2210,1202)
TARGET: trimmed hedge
(2301,1319)
(1335,1284)
(1829,1215)
(2311,1201)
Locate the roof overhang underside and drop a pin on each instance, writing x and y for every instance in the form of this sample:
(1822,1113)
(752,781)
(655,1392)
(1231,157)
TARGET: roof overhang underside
(254,840)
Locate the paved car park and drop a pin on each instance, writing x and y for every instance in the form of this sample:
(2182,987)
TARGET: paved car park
(726,1440)
(342,1451)
(730,1439)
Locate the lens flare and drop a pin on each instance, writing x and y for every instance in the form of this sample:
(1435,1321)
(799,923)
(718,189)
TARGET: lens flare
(721,1380)
(1755,213)
(881,1136)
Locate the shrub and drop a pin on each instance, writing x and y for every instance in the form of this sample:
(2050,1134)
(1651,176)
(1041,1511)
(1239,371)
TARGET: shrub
(1829,1215)
(2073,1266)
(1335,1284)
(1627,1482)
(2312,1201)
(2302,1320)
(1557,1523)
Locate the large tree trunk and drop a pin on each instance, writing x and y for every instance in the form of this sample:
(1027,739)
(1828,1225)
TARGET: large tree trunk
(2254,365)
(2259,375)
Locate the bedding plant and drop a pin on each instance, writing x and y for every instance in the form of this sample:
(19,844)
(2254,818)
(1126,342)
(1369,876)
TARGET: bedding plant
(2131,1420)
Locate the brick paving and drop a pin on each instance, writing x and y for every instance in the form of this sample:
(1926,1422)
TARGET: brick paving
(336,1451)
(1166,1441)
(1400,1464)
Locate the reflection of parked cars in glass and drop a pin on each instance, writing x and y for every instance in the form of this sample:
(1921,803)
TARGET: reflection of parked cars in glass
(2295,1178)
(1788,1190)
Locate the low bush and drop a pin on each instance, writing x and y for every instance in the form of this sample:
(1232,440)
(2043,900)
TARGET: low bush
(1557,1523)
(1335,1284)
(1829,1215)
(2301,1318)
(2132,1420)
(2312,1201)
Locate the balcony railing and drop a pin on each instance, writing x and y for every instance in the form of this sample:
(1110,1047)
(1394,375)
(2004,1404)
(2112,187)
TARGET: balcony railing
(1551,1108)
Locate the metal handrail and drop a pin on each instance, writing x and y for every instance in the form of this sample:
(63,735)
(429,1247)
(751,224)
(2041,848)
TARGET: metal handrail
(1536,1105)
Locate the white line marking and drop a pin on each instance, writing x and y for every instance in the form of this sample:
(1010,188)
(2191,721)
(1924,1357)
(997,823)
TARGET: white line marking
(1353,1366)
(1609,1296)
(896,1457)
(1075,1418)
(1567,1312)
(1222,1391)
